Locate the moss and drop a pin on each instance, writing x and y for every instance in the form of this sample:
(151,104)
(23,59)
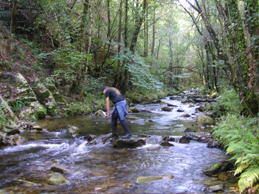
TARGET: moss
(40,114)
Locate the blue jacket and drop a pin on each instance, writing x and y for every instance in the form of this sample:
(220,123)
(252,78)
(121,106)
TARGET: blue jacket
(121,109)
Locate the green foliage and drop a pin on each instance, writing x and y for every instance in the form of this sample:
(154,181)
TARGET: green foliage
(241,138)
(2,115)
(228,103)
(140,72)
(18,106)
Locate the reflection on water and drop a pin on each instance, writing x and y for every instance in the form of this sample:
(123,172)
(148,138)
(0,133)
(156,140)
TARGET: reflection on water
(103,168)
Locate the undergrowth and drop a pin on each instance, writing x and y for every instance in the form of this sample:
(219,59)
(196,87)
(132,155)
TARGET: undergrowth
(240,137)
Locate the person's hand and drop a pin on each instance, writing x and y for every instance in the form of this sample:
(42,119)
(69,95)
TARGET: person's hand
(108,115)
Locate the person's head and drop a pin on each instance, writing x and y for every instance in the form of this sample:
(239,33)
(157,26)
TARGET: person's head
(104,89)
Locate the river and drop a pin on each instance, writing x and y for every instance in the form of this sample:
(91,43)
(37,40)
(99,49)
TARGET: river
(104,169)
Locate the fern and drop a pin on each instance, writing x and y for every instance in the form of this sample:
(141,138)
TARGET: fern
(240,137)
(250,173)
(241,168)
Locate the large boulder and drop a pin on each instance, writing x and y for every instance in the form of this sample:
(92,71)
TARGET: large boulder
(205,120)
(6,112)
(45,97)
(56,94)
(26,95)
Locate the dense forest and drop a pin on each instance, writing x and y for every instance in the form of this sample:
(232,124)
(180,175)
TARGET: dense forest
(143,48)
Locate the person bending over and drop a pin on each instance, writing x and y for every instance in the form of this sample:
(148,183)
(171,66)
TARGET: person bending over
(120,110)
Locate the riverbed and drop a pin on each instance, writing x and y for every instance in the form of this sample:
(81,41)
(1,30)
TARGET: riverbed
(104,169)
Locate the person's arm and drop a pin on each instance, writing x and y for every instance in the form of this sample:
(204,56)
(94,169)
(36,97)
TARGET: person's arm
(108,106)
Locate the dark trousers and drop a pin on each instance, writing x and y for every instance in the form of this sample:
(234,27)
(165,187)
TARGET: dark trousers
(115,117)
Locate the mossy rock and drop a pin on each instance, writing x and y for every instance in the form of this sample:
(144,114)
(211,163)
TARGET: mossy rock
(40,114)
(205,120)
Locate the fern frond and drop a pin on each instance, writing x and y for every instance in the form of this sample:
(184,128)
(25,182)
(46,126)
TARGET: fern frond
(250,173)
(234,148)
(241,168)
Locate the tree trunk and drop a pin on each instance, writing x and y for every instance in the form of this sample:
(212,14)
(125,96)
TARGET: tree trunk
(146,32)
(117,75)
(13,17)
(153,33)
(88,56)
(138,26)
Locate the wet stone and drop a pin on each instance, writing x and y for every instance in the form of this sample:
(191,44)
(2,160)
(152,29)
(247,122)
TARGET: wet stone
(146,179)
(132,118)
(180,110)
(184,139)
(216,188)
(166,143)
(57,179)
(186,115)
(166,109)
(59,169)
(154,148)
(129,143)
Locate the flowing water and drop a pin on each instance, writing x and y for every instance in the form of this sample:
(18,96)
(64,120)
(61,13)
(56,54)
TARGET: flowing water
(104,169)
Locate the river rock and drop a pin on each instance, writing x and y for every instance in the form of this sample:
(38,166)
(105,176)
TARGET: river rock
(7,113)
(180,110)
(223,176)
(171,105)
(185,115)
(10,128)
(57,179)
(205,120)
(155,147)
(146,179)
(15,140)
(155,140)
(203,137)
(168,138)
(191,105)
(132,118)
(133,110)
(37,128)
(89,137)
(216,188)
(163,103)
(184,139)
(59,169)
(186,100)
(218,167)
(212,143)
(166,143)
(72,129)
(204,107)
(100,113)
(102,139)
(189,130)
(166,109)
(129,143)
